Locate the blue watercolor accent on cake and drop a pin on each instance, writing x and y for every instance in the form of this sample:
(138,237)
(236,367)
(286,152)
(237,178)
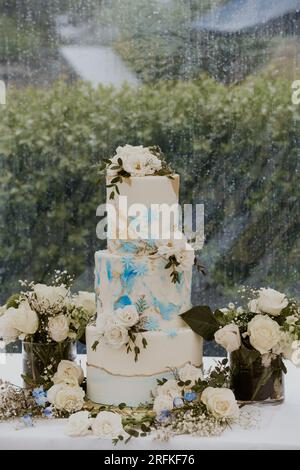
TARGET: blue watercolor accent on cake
(97,271)
(122,302)
(131,271)
(151,324)
(166,310)
(171,333)
(129,247)
(141,269)
(127,277)
(109,270)
(127,261)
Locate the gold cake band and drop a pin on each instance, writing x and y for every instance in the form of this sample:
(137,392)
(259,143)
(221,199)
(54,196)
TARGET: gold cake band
(168,369)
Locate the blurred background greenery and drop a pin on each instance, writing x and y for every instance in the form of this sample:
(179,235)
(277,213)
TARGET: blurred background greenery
(219,105)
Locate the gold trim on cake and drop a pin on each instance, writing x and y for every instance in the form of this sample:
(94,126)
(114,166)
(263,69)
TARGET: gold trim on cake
(168,369)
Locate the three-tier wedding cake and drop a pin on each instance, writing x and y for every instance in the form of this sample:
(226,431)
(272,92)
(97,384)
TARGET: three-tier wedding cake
(143,283)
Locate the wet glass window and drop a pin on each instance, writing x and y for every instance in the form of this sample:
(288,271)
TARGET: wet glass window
(214,83)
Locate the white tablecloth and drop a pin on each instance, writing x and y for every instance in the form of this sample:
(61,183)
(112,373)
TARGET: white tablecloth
(278,426)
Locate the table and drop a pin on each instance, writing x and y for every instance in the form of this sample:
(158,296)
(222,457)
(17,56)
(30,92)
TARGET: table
(278,428)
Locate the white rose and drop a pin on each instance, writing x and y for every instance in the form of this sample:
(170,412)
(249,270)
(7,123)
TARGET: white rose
(284,345)
(2,310)
(174,246)
(169,389)
(102,321)
(186,259)
(68,372)
(8,332)
(264,333)
(115,335)
(58,328)
(229,337)
(79,424)
(107,425)
(86,300)
(50,294)
(162,403)
(137,160)
(127,316)
(220,402)
(65,397)
(190,372)
(253,306)
(271,301)
(24,319)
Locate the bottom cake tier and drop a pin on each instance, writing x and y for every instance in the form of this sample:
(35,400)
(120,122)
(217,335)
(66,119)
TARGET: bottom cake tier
(113,377)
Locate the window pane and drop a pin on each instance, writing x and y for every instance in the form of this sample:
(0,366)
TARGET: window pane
(210,82)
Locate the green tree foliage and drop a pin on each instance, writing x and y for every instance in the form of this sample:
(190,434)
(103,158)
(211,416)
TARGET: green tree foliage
(236,148)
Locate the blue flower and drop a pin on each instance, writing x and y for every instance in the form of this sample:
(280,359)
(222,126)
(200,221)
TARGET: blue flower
(178,402)
(164,415)
(27,420)
(47,412)
(40,396)
(190,396)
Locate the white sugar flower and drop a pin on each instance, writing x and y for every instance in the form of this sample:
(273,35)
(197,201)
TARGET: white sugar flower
(162,403)
(107,425)
(169,389)
(115,335)
(220,402)
(67,398)
(58,328)
(127,316)
(229,337)
(264,333)
(79,424)
(190,372)
(68,372)
(136,160)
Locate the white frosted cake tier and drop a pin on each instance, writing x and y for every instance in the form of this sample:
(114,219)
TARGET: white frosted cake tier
(114,377)
(122,280)
(141,190)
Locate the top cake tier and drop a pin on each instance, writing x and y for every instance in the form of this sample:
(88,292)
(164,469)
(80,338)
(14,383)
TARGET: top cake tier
(142,198)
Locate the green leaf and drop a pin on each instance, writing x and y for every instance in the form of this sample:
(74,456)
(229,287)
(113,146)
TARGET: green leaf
(13,301)
(132,432)
(202,321)
(220,317)
(120,161)
(145,428)
(115,180)
(117,190)
(94,345)
(112,195)
(122,406)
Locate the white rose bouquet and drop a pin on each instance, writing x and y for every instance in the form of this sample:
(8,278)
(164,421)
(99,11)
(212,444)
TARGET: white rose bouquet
(49,319)
(258,336)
